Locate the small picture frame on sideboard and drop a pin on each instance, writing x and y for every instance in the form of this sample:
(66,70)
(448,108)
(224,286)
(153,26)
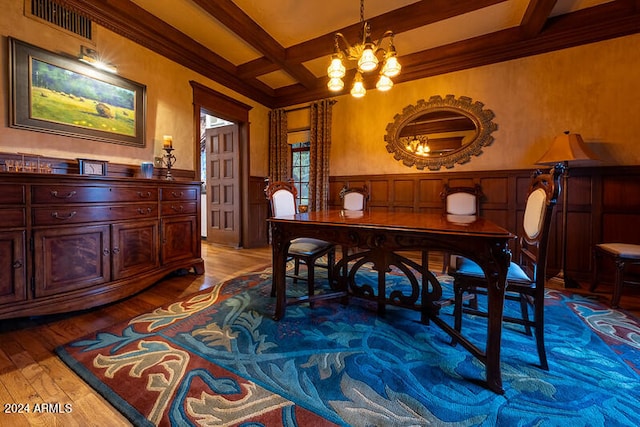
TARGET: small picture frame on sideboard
(92,167)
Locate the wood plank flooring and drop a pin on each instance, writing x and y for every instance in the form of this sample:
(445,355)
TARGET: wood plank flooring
(31,373)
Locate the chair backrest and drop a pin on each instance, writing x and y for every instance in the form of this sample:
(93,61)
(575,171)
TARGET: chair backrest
(542,197)
(461,200)
(354,199)
(282,198)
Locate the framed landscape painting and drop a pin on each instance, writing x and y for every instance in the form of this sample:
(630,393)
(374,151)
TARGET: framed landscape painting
(58,94)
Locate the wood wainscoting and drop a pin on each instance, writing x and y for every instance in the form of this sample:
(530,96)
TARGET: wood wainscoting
(604,205)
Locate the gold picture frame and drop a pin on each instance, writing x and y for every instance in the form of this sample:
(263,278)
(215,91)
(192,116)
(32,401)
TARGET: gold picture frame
(60,95)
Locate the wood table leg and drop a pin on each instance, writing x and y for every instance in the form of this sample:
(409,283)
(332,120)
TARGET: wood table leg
(279,267)
(494,337)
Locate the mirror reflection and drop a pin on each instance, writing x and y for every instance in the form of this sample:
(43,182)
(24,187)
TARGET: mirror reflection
(440,132)
(437,132)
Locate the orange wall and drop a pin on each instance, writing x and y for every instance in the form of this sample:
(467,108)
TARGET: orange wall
(592,90)
(169,96)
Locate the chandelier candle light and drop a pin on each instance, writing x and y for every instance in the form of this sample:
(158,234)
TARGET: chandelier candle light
(169,158)
(366,53)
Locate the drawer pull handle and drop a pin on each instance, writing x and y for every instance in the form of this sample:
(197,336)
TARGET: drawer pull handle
(177,194)
(144,211)
(17,264)
(116,251)
(178,208)
(105,252)
(69,195)
(63,217)
(144,195)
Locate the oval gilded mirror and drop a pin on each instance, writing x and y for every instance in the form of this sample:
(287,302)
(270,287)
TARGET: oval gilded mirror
(440,132)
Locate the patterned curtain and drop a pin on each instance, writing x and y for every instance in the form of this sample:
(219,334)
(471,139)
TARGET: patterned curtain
(320,142)
(279,150)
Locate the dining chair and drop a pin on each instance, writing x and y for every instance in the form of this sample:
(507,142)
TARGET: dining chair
(303,250)
(461,205)
(526,277)
(354,202)
(355,198)
(621,254)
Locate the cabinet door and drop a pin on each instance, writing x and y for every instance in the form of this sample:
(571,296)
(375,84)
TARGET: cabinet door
(70,258)
(180,238)
(134,248)
(12,267)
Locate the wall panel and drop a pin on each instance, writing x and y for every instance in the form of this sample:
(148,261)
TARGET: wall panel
(604,205)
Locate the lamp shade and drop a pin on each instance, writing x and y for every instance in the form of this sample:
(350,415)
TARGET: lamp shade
(568,147)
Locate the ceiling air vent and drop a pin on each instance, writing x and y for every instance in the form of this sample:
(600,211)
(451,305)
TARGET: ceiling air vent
(50,11)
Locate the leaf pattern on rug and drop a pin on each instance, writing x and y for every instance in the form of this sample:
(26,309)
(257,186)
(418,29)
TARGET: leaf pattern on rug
(213,334)
(365,408)
(349,366)
(150,354)
(162,317)
(214,410)
(105,340)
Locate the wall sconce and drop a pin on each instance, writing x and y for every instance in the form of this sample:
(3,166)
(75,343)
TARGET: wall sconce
(90,56)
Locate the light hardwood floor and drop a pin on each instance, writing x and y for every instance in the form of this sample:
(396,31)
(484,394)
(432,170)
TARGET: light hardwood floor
(31,373)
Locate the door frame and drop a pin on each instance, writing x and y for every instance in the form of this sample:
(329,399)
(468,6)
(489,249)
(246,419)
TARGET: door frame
(227,108)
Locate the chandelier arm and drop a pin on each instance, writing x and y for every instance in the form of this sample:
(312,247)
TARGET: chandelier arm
(346,52)
(387,34)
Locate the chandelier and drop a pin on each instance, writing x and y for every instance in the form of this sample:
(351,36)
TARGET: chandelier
(366,53)
(419,145)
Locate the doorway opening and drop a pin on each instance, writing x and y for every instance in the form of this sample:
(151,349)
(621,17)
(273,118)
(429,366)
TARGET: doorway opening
(220,173)
(230,144)
(207,122)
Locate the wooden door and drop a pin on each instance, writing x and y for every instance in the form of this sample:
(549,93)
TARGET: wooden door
(223,185)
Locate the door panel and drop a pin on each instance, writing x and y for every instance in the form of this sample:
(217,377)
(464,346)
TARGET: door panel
(223,185)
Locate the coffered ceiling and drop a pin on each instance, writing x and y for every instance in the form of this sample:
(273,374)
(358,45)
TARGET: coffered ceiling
(276,52)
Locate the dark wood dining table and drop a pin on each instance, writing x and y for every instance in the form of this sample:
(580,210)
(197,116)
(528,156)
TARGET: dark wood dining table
(382,237)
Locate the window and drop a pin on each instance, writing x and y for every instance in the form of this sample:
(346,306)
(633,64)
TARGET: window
(300,155)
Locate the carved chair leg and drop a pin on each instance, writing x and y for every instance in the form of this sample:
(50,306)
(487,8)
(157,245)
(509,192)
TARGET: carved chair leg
(594,277)
(296,270)
(524,310)
(458,292)
(446,261)
(310,263)
(617,285)
(539,327)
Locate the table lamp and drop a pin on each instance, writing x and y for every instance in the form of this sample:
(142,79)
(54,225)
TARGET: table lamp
(566,148)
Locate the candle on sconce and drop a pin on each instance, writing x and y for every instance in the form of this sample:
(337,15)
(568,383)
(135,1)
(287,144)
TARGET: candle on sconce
(167,141)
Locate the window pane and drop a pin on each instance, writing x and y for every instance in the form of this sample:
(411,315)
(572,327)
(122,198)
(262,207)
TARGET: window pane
(300,157)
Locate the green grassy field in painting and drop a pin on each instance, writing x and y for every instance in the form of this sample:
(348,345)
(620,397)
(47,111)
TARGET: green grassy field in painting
(62,108)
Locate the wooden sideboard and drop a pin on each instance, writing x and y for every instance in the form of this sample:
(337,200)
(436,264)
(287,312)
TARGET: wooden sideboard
(70,242)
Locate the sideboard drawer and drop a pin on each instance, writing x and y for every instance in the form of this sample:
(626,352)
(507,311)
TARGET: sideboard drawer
(56,194)
(12,194)
(179,194)
(78,214)
(177,208)
(13,217)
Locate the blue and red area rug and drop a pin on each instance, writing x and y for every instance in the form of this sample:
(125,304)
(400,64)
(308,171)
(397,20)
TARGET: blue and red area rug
(218,358)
